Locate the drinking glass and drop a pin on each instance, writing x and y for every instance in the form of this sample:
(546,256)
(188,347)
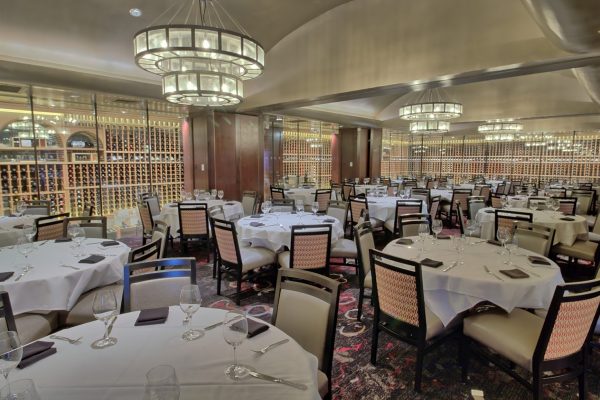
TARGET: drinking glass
(77,233)
(555,204)
(21,207)
(511,246)
(213,194)
(395,191)
(504,234)
(470,228)
(503,201)
(189,301)
(235,330)
(25,247)
(104,308)
(220,194)
(423,233)
(162,383)
(22,389)
(435,184)
(196,194)
(315,207)
(299,206)
(11,353)
(459,246)
(436,227)
(532,205)
(266,206)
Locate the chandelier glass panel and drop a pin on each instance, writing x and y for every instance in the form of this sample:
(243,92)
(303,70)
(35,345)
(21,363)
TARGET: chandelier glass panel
(430,109)
(201,63)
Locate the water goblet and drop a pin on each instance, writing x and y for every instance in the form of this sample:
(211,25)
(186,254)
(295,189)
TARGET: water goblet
(213,194)
(266,206)
(423,233)
(77,233)
(299,206)
(459,246)
(511,245)
(504,234)
(22,389)
(21,207)
(315,207)
(220,194)
(104,308)
(189,301)
(235,330)
(197,194)
(25,247)
(436,227)
(11,353)
(162,383)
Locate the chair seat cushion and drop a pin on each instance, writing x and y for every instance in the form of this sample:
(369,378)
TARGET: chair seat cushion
(435,325)
(376,223)
(31,326)
(591,219)
(514,335)
(283,259)
(594,237)
(323,383)
(368,281)
(344,248)
(581,249)
(254,257)
(82,313)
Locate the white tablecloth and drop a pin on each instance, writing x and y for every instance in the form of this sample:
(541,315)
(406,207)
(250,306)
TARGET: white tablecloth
(48,286)
(8,234)
(170,215)
(445,193)
(277,231)
(449,293)
(79,372)
(566,231)
(384,208)
(362,188)
(306,195)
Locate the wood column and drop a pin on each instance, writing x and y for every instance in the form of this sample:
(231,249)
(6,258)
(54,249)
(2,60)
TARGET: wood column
(354,152)
(375,143)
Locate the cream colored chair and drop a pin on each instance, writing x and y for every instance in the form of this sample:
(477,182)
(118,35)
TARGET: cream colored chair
(162,231)
(363,236)
(28,326)
(306,308)
(249,202)
(403,207)
(158,288)
(310,248)
(534,237)
(51,227)
(37,207)
(94,227)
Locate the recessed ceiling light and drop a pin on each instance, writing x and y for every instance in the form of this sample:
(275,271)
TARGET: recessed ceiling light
(135,12)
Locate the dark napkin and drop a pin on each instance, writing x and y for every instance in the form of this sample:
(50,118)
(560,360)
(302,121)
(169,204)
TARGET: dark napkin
(173,205)
(229,204)
(254,327)
(256,216)
(538,260)
(290,192)
(404,241)
(21,226)
(329,220)
(5,275)
(514,273)
(256,224)
(490,211)
(152,316)
(62,240)
(444,237)
(93,259)
(110,243)
(567,219)
(36,351)
(494,242)
(428,262)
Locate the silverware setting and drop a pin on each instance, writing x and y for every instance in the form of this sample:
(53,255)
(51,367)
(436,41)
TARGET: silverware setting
(66,339)
(274,379)
(70,266)
(449,267)
(491,273)
(270,347)
(528,272)
(213,326)
(22,274)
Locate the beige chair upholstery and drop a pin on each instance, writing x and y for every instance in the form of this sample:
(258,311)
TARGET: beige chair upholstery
(51,227)
(147,221)
(249,202)
(31,327)
(216,212)
(153,205)
(581,249)
(82,313)
(344,248)
(161,232)
(338,210)
(534,237)
(37,207)
(94,227)
(161,292)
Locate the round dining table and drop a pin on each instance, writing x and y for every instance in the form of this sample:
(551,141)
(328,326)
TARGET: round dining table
(274,230)
(306,195)
(58,278)
(450,292)
(12,227)
(76,371)
(567,228)
(170,213)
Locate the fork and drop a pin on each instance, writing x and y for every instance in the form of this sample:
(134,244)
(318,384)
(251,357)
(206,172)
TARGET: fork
(269,347)
(66,339)
(70,266)
(491,273)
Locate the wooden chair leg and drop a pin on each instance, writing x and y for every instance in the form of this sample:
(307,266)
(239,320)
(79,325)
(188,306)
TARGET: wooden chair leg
(361,296)
(239,288)
(375,339)
(419,369)
(219,280)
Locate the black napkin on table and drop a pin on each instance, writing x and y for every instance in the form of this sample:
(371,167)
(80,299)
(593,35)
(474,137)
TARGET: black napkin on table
(254,327)
(441,237)
(329,220)
(490,211)
(110,243)
(256,224)
(36,351)
(428,262)
(173,205)
(93,259)
(21,226)
(152,316)
(514,273)
(567,219)
(229,204)
(538,260)
(494,242)
(5,275)
(256,216)
(404,241)
(63,240)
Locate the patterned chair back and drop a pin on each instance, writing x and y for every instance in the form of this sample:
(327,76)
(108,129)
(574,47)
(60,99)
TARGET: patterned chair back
(568,205)
(322,196)
(277,193)
(50,227)
(357,204)
(145,217)
(497,200)
(310,247)
(508,219)
(434,206)
(348,190)
(249,201)
(226,242)
(461,196)
(193,219)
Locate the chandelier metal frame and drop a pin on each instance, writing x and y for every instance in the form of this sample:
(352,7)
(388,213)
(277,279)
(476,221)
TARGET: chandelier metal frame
(431,126)
(430,105)
(500,127)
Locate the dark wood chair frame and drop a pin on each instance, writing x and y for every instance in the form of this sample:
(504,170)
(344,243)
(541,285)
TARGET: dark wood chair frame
(307,230)
(513,215)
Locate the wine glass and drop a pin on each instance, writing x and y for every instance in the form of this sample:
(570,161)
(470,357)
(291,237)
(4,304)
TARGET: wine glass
(532,205)
(197,194)
(25,247)
(511,245)
(77,233)
(503,201)
(459,246)
(22,389)
(555,204)
(423,233)
(213,194)
(470,228)
(315,207)
(436,227)
(235,330)
(21,207)
(220,194)
(266,206)
(11,353)
(299,206)
(104,308)
(189,301)
(504,234)
(162,383)
(395,191)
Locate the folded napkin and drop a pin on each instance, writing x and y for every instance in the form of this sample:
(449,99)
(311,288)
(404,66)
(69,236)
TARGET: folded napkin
(444,237)
(329,220)
(229,204)
(538,260)
(371,202)
(256,216)
(490,211)
(5,275)
(494,242)
(290,192)
(36,351)
(404,241)
(428,262)
(62,240)
(514,273)
(93,259)
(256,224)
(254,327)
(152,316)
(21,226)
(567,219)
(109,243)
(173,205)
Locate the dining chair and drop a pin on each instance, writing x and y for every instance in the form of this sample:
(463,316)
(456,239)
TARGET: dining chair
(153,205)
(306,308)
(348,190)
(462,221)
(429,184)
(402,207)
(147,221)
(400,310)
(540,200)
(408,224)
(421,194)
(37,207)
(584,200)
(580,250)
(94,226)
(29,326)
(234,260)
(162,231)
(193,225)
(585,186)
(500,188)
(496,200)
(409,183)
(434,206)
(146,252)
(216,211)
(50,227)
(310,249)
(282,205)
(337,190)
(156,283)
(277,193)
(594,234)
(322,196)
(88,210)
(504,218)
(339,210)
(568,205)
(550,349)
(391,188)
(448,210)
(474,205)
(365,241)
(249,202)
(556,192)
(534,237)
(356,205)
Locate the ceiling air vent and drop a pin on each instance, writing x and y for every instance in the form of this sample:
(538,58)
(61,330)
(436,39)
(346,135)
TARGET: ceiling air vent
(9,88)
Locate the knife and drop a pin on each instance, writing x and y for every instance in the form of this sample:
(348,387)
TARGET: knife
(213,326)
(448,268)
(270,378)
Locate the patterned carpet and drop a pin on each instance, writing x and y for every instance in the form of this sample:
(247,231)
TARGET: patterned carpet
(355,378)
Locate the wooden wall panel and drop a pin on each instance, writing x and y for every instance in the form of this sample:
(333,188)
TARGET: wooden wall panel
(348,151)
(223,169)
(250,145)
(336,158)
(375,143)
(200,157)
